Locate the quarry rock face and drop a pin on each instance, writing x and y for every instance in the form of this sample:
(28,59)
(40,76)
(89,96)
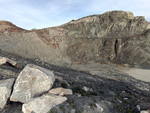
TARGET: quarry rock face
(115,36)
(42,104)
(32,81)
(5,91)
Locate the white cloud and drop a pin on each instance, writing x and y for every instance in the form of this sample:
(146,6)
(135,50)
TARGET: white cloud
(38,13)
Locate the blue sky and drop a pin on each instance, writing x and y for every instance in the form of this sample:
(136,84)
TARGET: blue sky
(30,14)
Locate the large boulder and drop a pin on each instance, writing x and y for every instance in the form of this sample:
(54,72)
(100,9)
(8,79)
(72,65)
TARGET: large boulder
(42,104)
(32,81)
(5,91)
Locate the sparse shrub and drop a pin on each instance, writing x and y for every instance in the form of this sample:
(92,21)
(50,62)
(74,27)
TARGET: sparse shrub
(52,111)
(101,97)
(79,91)
(101,92)
(70,101)
(92,105)
(64,85)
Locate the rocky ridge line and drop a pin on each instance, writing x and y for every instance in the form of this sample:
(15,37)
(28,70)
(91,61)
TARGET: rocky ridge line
(115,36)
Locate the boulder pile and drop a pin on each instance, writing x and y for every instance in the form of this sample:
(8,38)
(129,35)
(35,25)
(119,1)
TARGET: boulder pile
(32,88)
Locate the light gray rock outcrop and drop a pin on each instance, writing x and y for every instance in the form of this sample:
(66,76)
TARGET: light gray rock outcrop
(42,104)
(31,82)
(5,91)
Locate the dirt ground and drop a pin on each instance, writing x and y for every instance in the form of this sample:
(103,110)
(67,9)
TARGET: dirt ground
(109,86)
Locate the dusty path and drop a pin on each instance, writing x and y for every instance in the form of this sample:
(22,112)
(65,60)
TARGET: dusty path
(106,69)
(140,74)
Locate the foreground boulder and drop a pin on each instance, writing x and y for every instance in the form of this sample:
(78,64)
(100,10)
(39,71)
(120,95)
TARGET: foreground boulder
(42,104)
(31,82)
(5,91)
(61,91)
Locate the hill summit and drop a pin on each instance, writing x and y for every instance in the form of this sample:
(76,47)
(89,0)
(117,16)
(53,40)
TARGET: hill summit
(6,27)
(115,36)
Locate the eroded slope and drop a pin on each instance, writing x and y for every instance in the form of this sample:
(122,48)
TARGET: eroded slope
(115,36)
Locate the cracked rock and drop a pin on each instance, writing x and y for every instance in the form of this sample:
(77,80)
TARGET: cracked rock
(5,91)
(42,104)
(32,81)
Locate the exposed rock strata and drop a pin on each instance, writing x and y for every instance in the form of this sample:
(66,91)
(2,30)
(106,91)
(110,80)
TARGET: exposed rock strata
(115,36)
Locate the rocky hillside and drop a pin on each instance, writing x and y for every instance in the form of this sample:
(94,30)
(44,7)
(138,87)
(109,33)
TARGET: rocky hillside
(7,27)
(108,92)
(115,36)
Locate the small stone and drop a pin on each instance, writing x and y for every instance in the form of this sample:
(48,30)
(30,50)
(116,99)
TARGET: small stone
(79,95)
(119,101)
(123,93)
(126,65)
(87,89)
(125,98)
(4,60)
(99,107)
(138,107)
(12,62)
(31,82)
(59,78)
(42,104)
(5,91)
(61,91)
